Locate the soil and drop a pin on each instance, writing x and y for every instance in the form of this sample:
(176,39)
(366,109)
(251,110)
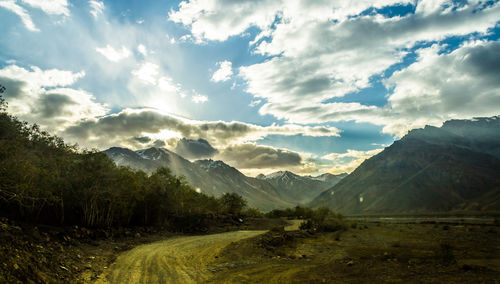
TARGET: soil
(34,253)
(367,253)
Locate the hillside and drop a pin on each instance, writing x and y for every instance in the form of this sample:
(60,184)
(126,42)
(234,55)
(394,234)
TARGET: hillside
(300,189)
(210,177)
(454,167)
(278,190)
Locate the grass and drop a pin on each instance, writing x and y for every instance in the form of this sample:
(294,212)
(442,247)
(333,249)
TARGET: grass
(379,253)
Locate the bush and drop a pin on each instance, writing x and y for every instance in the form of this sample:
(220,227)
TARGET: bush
(323,220)
(252,212)
(331,225)
(306,225)
(446,253)
(232,203)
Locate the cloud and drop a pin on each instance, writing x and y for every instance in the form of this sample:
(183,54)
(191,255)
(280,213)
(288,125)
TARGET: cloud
(352,154)
(195,149)
(224,72)
(252,156)
(348,161)
(96,8)
(37,77)
(142,140)
(220,19)
(147,72)
(323,50)
(53,7)
(255,103)
(197,98)
(142,49)
(21,12)
(217,20)
(253,159)
(113,54)
(471,87)
(43,97)
(117,129)
(322,60)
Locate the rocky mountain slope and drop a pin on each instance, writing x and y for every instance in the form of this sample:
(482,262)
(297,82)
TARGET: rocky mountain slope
(301,189)
(278,190)
(210,177)
(454,167)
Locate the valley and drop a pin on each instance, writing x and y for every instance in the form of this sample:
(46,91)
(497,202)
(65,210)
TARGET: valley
(367,252)
(279,190)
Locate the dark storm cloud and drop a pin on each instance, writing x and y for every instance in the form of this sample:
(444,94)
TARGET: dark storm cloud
(112,130)
(485,60)
(142,140)
(195,149)
(255,156)
(13,88)
(159,143)
(53,105)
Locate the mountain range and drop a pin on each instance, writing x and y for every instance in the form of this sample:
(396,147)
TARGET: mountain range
(434,169)
(278,190)
(301,189)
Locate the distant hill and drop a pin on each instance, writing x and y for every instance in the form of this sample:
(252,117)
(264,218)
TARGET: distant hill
(454,167)
(300,189)
(210,177)
(216,178)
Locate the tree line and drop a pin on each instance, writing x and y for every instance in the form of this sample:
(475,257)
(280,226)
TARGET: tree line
(43,179)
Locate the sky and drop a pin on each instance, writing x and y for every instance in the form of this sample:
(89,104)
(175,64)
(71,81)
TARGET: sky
(264,85)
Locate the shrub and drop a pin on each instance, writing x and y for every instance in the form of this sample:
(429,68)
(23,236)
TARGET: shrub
(306,225)
(446,253)
(253,212)
(323,220)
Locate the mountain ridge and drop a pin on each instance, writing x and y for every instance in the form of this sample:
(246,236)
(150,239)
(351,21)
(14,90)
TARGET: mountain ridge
(216,178)
(435,169)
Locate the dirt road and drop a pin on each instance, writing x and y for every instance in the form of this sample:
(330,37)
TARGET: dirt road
(176,260)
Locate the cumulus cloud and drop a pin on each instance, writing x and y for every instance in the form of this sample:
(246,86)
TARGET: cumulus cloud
(348,161)
(43,97)
(142,140)
(255,103)
(113,54)
(116,129)
(323,50)
(142,49)
(195,149)
(147,72)
(224,72)
(199,99)
(253,159)
(441,86)
(220,19)
(322,60)
(96,8)
(21,12)
(217,20)
(53,7)
(252,156)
